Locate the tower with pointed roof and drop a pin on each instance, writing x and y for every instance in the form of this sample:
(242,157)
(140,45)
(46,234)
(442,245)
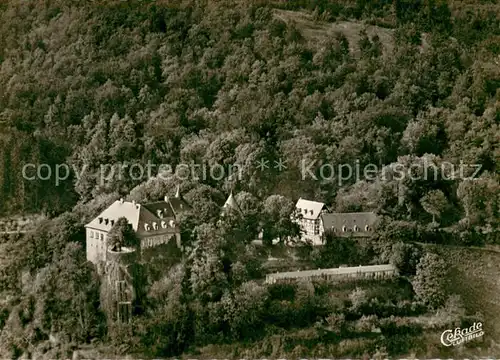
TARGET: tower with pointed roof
(230,205)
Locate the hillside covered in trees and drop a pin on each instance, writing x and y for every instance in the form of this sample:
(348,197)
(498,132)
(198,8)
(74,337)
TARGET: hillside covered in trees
(89,84)
(92,83)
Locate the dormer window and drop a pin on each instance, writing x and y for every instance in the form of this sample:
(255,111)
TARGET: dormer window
(311,212)
(356,228)
(344,229)
(172,223)
(367,228)
(163,224)
(112,222)
(305,211)
(147,227)
(333,229)
(159,213)
(106,221)
(299,210)
(155,226)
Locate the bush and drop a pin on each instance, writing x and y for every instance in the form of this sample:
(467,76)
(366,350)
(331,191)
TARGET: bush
(366,323)
(337,251)
(409,308)
(430,280)
(282,291)
(337,323)
(359,300)
(453,311)
(405,257)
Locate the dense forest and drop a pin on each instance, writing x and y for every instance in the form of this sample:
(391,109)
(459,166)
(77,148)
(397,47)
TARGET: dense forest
(97,83)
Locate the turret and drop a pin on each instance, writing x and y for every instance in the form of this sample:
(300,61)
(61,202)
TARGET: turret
(231,204)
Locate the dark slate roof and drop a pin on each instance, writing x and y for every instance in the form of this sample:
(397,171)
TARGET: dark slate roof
(357,224)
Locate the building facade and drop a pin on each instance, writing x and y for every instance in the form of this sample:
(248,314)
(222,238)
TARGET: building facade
(336,274)
(154,224)
(358,224)
(314,219)
(308,216)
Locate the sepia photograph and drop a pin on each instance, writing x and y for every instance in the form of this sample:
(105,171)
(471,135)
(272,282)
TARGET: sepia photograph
(249,179)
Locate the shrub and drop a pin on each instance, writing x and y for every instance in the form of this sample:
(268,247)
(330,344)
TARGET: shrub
(405,257)
(282,291)
(359,300)
(430,279)
(366,323)
(453,311)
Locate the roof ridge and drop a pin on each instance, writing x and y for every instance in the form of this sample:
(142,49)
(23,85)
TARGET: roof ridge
(357,212)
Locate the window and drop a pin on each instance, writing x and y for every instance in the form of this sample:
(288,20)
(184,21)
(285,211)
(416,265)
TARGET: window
(344,229)
(367,228)
(355,228)
(102,236)
(91,233)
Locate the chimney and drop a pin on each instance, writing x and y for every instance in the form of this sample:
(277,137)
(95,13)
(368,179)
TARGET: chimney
(121,200)
(133,202)
(166,198)
(159,213)
(178,192)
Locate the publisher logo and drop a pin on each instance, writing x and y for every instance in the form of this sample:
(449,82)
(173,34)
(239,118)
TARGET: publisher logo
(460,336)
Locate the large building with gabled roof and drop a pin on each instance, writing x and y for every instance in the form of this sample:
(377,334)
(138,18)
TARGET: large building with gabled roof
(356,224)
(314,219)
(154,223)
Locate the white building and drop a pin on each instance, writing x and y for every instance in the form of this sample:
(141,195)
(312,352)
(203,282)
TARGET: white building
(335,274)
(308,216)
(154,224)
